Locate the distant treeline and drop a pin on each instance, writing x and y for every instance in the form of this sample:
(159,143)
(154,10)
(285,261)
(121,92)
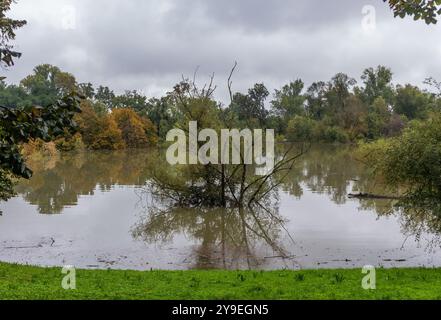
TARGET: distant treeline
(335,111)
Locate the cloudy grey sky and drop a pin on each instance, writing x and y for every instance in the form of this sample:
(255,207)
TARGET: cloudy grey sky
(148,44)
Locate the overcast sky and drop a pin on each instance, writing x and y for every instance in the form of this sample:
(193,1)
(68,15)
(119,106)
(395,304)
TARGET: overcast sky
(148,44)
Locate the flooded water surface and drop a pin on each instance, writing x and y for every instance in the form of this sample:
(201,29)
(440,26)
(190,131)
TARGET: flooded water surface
(94,210)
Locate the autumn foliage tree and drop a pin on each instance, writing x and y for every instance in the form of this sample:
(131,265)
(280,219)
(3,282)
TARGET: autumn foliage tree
(137,132)
(98,132)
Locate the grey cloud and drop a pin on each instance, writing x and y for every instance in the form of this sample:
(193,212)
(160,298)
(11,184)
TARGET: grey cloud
(147,45)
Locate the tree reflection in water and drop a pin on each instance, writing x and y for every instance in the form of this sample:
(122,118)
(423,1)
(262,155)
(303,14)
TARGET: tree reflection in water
(228,237)
(330,170)
(58,182)
(417,218)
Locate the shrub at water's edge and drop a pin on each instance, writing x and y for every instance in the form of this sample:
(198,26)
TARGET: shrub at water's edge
(410,164)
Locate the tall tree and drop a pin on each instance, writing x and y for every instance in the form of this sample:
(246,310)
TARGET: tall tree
(250,108)
(289,101)
(105,95)
(162,113)
(87,90)
(377,83)
(412,102)
(339,89)
(48,84)
(316,100)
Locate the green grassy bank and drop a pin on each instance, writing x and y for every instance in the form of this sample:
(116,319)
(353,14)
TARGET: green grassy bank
(25,282)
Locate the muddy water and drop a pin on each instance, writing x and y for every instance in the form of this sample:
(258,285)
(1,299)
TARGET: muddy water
(92,210)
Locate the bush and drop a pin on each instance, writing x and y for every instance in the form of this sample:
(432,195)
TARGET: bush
(109,136)
(300,129)
(38,146)
(335,134)
(98,132)
(72,143)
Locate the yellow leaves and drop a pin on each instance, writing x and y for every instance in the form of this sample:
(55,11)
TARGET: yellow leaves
(136,131)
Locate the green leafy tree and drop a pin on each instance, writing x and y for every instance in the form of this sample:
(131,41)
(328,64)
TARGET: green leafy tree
(412,102)
(130,99)
(316,100)
(352,117)
(105,96)
(339,90)
(13,96)
(250,108)
(289,101)
(48,84)
(377,83)
(87,90)
(163,114)
(378,118)
(19,126)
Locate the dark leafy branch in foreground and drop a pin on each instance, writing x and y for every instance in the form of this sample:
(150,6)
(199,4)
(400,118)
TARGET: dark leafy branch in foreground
(18,126)
(7,34)
(427,10)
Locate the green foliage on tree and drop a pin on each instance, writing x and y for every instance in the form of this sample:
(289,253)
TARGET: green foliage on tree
(289,101)
(7,34)
(13,96)
(427,10)
(316,100)
(250,108)
(412,102)
(377,84)
(48,84)
(105,96)
(301,129)
(163,113)
(378,118)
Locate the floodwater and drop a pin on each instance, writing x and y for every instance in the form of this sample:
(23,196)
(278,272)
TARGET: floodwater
(92,210)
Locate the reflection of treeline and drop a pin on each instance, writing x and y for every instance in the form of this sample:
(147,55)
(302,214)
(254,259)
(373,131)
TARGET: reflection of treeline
(59,182)
(337,110)
(324,169)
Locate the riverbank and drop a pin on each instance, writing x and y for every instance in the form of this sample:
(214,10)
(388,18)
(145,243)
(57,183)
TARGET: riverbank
(27,282)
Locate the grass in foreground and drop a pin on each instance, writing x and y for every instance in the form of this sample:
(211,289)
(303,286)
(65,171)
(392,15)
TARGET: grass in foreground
(26,282)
